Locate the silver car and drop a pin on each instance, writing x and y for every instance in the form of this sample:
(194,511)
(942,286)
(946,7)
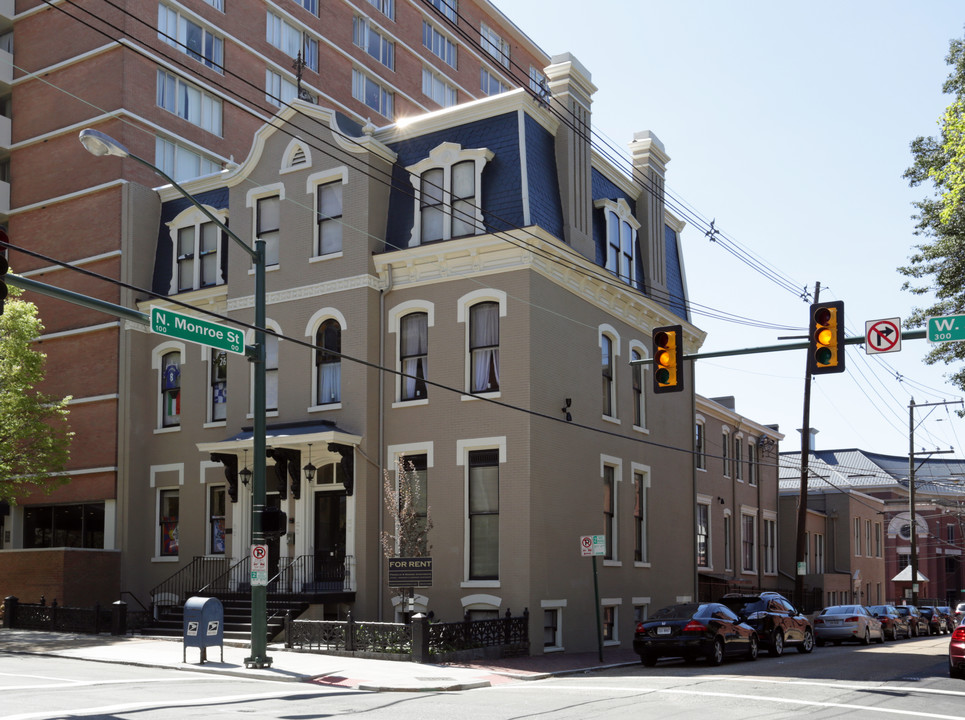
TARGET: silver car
(847,622)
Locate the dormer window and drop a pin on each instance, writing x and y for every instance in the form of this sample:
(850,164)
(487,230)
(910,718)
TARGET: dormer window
(621,239)
(197,245)
(448,197)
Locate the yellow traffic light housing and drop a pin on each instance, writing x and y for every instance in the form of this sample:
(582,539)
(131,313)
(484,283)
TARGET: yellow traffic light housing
(668,359)
(826,338)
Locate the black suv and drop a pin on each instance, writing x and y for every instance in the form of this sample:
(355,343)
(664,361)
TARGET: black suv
(777,622)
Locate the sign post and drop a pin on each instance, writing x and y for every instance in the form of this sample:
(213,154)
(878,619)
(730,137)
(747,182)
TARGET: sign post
(592,546)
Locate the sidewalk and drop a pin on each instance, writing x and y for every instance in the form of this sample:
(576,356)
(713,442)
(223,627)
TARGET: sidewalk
(293,666)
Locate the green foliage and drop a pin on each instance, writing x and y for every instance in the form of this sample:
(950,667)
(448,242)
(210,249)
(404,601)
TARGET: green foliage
(34,435)
(936,268)
(408,512)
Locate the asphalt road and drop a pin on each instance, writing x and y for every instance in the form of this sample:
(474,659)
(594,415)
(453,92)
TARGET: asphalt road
(908,678)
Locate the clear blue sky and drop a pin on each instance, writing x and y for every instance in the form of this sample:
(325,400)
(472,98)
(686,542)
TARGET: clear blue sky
(788,124)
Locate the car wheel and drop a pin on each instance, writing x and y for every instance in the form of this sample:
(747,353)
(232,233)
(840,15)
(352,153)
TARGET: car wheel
(866,639)
(753,649)
(777,644)
(881,637)
(648,659)
(807,645)
(716,656)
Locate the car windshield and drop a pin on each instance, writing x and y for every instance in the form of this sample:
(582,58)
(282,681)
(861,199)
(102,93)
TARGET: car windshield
(745,605)
(840,610)
(686,610)
(881,609)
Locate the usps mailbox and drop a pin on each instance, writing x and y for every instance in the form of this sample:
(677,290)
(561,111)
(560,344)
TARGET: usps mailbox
(203,625)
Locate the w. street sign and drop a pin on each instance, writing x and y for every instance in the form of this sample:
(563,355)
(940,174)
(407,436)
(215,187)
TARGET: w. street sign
(949,328)
(186,327)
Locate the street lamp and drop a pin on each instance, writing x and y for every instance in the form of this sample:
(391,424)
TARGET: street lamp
(99,144)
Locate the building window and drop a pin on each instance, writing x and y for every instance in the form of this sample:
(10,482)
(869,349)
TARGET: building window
(699,446)
(857,537)
(168,523)
(181,163)
(641,514)
(484,514)
(329,217)
(370,92)
(171,389)
(367,37)
(606,347)
(416,468)
(291,41)
(328,363)
(190,38)
(438,44)
(493,44)
(609,621)
(268,226)
(609,511)
(818,552)
(216,4)
(436,87)
(279,91)
(188,102)
(867,538)
(904,560)
(489,84)
(310,5)
(725,452)
(448,202)
(216,519)
(414,355)
(753,462)
(703,535)
(728,542)
(770,546)
(639,396)
(218,397)
(198,256)
(551,628)
(738,459)
(537,82)
(749,543)
(446,7)
(484,347)
(72,526)
(271,372)
(386,7)
(621,239)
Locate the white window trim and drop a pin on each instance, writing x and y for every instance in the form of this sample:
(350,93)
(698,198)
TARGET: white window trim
(157,354)
(463,305)
(700,454)
(705,500)
(737,461)
(312,183)
(295,147)
(320,316)
(444,156)
(186,218)
(746,511)
(251,201)
(643,470)
(154,471)
(728,537)
(610,331)
(394,318)
(771,516)
(558,606)
(463,448)
(207,516)
(726,456)
(614,603)
(621,210)
(636,345)
(209,423)
(613,543)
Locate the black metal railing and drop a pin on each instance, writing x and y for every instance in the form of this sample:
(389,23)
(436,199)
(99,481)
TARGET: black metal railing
(189,580)
(94,620)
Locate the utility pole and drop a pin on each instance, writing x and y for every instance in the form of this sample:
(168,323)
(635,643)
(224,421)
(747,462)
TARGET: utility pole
(802,506)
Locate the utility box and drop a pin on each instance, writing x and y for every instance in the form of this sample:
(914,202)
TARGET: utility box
(203,625)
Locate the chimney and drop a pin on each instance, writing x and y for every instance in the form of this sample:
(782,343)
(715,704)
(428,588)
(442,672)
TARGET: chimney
(571,93)
(811,433)
(649,172)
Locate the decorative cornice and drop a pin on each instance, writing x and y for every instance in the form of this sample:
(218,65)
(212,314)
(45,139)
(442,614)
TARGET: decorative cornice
(306,291)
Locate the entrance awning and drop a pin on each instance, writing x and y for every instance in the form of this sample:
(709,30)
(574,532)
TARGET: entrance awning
(905,576)
(293,435)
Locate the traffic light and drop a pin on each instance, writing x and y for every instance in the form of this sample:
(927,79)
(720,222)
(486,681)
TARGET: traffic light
(668,356)
(826,338)
(4,266)
(274,522)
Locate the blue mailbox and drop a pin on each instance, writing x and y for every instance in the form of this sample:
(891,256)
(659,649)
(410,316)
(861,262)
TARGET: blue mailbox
(203,625)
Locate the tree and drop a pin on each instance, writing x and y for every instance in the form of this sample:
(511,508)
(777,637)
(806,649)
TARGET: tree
(34,434)
(937,267)
(408,512)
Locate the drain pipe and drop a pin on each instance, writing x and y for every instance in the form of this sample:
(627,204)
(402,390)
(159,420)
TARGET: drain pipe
(381,461)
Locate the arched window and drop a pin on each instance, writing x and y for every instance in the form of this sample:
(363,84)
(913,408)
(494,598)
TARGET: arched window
(171,389)
(414,355)
(328,363)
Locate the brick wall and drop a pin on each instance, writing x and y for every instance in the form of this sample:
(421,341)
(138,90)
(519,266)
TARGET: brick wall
(75,578)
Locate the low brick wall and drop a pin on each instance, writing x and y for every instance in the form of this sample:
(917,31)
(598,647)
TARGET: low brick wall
(72,576)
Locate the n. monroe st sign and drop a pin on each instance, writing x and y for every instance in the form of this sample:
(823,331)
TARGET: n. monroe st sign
(186,327)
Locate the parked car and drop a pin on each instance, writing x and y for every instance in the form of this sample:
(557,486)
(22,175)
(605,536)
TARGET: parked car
(950,621)
(847,622)
(691,630)
(894,624)
(917,623)
(956,653)
(777,622)
(959,613)
(936,621)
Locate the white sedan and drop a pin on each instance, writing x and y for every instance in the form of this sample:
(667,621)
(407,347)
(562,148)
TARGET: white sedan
(847,622)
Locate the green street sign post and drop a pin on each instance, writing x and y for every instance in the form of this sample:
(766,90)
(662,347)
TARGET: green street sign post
(186,327)
(950,328)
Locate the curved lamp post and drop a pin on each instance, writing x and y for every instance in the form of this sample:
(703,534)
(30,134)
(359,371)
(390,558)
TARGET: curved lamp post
(99,144)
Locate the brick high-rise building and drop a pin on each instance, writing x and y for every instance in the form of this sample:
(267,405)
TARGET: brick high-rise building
(185,85)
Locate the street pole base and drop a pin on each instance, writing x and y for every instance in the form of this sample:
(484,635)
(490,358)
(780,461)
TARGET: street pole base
(257,663)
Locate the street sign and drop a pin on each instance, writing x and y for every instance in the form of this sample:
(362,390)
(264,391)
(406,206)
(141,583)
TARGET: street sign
(203,332)
(259,565)
(593,545)
(949,328)
(882,336)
